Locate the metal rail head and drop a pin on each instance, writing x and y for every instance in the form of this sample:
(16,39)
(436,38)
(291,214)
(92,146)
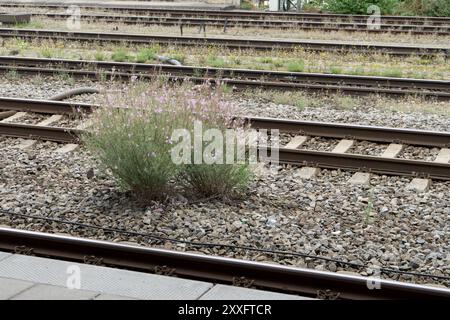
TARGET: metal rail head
(234,43)
(217,269)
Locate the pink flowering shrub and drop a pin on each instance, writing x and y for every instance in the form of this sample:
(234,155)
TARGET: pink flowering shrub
(131,135)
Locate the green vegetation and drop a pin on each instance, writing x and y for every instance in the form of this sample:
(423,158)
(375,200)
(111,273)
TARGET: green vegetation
(435,8)
(48,52)
(399,7)
(135,142)
(336,70)
(30,25)
(296,66)
(120,55)
(145,55)
(100,56)
(396,73)
(179,57)
(215,61)
(246,5)
(359,6)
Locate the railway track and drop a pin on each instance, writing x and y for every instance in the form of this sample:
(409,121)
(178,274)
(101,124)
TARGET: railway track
(215,269)
(237,78)
(257,23)
(240,14)
(232,43)
(291,153)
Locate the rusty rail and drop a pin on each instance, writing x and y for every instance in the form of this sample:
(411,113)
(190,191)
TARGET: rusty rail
(216,269)
(237,14)
(352,162)
(221,22)
(237,78)
(232,43)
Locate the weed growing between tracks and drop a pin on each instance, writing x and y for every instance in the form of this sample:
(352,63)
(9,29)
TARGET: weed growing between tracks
(301,100)
(353,63)
(135,142)
(252,32)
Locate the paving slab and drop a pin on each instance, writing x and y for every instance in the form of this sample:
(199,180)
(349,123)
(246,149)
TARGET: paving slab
(222,292)
(3,255)
(48,292)
(11,287)
(102,279)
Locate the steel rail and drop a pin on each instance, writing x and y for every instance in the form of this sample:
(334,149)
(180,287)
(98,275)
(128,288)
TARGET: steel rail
(415,168)
(233,43)
(235,83)
(246,23)
(44,106)
(264,75)
(31,131)
(437,89)
(310,128)
(174,12)
(214,269)
(354,132)
(6,114)
(363,163)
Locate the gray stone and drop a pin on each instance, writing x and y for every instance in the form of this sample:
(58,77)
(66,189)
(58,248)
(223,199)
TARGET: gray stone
(419,185)
(307,172)
(360,178)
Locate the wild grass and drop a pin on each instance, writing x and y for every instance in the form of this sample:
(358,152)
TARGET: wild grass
(296,66)
(135,142)
(215,61)
(120,55)
(100,56)
(324,62)
(294,33)
(304,99)
(145,55)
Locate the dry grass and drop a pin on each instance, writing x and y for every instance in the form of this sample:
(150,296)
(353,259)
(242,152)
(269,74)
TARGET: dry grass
(324,62)
(338,101)
(294,33)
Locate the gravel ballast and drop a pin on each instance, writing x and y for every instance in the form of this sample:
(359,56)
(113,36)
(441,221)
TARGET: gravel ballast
(380,225)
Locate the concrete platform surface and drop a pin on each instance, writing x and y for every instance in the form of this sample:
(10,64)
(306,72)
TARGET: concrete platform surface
(26,277)
(180,4)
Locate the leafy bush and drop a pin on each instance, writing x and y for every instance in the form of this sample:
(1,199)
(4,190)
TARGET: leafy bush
(435,8)
(246,5)
(359,6)
(135,141)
